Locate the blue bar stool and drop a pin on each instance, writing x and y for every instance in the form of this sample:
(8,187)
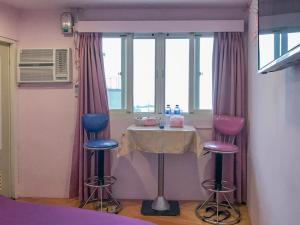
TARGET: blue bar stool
(93,124)
(213,210)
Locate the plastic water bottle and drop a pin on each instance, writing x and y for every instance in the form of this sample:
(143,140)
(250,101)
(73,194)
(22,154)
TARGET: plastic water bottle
(168,112)
(162,123)
(177,110)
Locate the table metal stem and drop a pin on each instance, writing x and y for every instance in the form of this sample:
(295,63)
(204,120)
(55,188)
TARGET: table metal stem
(161,174)
(160,203)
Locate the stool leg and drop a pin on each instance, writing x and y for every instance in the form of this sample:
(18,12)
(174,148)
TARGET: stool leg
(89,198)
(101,185)
(100,167)
(236,210)
(218,202)
(100,175)
(111,196)
(200,206)
(220,212)
(218,171)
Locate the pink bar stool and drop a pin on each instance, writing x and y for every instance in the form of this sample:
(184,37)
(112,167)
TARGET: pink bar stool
(213,210)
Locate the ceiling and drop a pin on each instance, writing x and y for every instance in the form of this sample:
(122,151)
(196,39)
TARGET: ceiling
(63,4)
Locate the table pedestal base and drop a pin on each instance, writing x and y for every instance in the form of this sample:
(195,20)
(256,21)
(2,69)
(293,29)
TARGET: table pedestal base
(160,204)
(147,210)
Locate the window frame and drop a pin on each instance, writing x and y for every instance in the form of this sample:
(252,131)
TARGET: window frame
(280,41)
(160,43)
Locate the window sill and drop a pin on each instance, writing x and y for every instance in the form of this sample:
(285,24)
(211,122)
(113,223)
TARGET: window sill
(200,119)
(207,112)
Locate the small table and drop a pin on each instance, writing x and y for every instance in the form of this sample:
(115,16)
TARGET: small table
(160,141)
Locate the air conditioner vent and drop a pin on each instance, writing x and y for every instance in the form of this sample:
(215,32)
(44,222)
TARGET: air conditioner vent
(61,62)
(36,74)
(44,65)
(36,55)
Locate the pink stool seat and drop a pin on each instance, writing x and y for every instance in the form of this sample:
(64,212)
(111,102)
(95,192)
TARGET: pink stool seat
(220,147)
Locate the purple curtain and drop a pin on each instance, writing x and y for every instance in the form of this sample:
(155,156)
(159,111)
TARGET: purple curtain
(92,99)
(229,98)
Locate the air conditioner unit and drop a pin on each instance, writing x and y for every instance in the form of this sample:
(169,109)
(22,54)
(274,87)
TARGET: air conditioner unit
(44,65)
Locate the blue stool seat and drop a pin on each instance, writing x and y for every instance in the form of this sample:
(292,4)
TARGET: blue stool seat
(101,144)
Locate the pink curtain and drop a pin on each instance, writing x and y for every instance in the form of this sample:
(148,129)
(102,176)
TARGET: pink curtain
(92,99)
(229,97)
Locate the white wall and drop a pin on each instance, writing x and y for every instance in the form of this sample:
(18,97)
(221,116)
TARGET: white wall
(274,131)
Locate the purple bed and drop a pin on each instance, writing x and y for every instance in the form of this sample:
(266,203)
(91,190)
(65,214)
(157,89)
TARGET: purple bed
(23,213)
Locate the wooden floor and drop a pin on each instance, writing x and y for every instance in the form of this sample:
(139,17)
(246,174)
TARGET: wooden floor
(132,209)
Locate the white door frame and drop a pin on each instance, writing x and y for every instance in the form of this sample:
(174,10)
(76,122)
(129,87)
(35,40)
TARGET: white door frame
(12,115)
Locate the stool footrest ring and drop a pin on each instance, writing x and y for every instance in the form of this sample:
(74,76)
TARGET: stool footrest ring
(96,182)
(102,187)
(223,213)
(227,187)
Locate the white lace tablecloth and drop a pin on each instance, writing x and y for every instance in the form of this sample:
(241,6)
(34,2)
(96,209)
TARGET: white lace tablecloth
(156,140)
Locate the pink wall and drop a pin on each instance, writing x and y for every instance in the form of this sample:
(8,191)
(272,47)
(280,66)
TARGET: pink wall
(274,131)
(46,120)
(8,21)
(45,116)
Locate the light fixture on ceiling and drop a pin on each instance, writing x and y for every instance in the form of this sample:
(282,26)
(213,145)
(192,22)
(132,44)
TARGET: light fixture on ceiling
(67,23)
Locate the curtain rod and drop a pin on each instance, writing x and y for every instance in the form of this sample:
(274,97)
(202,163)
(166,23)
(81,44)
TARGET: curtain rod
(170,26)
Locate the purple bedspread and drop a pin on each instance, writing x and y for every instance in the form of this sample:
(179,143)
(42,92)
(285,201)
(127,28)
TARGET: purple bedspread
(23,213)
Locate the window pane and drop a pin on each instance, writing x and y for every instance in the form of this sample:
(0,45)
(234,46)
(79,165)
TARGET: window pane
(143,75)
(205,80)
(293,40)
(266,49)
(177,73)
(112,67)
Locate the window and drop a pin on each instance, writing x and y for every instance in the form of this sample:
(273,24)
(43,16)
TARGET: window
(145,72)
(112,67)
(293,40)
(205,68)
(143,75)
(274,44)
(267,55)
(177,73)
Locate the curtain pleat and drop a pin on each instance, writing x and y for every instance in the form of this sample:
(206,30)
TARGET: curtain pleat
(229,98)
(92,99)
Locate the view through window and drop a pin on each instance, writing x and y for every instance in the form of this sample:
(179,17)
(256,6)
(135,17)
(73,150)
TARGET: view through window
(205,81)
(161,72)
(177,73)
(266,42)
(144,75)
(112,67)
